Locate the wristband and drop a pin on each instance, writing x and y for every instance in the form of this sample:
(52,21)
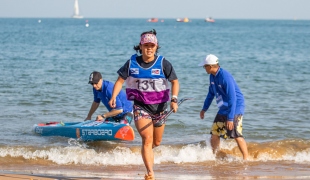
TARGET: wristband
(174,96)
(102,115)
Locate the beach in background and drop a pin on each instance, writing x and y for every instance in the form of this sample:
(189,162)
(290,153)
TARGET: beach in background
(45,64)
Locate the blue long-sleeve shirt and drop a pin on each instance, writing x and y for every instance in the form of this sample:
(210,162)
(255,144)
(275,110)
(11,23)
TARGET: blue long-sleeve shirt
(229,97)
(105,94)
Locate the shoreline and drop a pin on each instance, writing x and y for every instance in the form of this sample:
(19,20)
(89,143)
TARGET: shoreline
(215,170)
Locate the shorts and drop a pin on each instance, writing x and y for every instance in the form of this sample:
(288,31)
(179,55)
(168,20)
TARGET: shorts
(219,127)
(140,113)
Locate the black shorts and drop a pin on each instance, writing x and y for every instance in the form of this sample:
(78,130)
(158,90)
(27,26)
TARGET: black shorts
(219,127)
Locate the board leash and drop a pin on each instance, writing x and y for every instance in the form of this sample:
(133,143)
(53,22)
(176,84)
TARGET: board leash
(162,119)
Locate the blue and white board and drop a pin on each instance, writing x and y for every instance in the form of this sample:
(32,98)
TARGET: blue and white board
(88,130)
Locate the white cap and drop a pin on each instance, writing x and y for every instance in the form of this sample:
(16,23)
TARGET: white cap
(210,60)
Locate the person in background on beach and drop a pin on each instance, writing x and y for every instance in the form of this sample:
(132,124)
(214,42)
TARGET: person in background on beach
(230,101)
(147,85)
(102,90)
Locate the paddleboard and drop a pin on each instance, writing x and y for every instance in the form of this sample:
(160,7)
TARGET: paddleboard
(91,130)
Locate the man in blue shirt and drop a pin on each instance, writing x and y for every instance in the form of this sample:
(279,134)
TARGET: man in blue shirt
(102,91)
(230,101)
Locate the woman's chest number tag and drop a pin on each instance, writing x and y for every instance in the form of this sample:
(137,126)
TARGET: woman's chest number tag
(146,84)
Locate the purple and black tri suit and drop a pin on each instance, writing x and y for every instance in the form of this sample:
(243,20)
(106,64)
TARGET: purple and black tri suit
(147,83)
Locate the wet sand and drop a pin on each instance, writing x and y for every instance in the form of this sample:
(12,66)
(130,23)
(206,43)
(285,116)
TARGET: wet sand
(249,170)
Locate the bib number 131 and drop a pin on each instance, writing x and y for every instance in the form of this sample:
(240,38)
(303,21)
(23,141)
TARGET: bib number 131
(146,84)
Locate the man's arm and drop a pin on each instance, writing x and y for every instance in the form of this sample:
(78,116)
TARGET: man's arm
(113,112)
(93,108)
(232,99)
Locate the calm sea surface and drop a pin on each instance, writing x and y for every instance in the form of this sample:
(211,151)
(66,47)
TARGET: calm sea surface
(44,69)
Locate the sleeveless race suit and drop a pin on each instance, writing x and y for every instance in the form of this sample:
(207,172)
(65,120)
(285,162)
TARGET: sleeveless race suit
(147,85)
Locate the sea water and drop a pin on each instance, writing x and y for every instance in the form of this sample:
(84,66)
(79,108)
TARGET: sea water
(44,69)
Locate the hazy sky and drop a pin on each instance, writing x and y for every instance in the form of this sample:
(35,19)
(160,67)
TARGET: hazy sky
(218,9)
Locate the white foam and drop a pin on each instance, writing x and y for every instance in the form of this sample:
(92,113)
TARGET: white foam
(117,156)
(299,157)
(188,153)
(191,153)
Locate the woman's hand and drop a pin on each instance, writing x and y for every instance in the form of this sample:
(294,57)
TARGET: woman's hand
(174,106)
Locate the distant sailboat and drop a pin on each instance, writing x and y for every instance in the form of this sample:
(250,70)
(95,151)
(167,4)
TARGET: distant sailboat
(76,10)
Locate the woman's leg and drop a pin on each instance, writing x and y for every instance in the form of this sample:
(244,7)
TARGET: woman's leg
(158,135)
(145,129)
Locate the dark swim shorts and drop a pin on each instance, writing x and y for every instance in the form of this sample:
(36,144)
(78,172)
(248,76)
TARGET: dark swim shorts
(219,127)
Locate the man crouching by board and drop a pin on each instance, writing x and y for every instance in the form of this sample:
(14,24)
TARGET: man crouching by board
(102,91)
